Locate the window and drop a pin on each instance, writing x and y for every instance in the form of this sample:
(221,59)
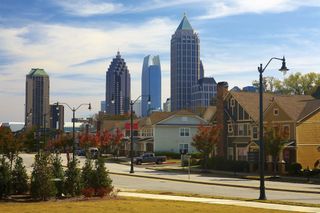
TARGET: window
(286,131)
(183,148)
(230,153)
(242,153)
(232,102)
(275,111)
(184,132)
(230,128)
(240,129)
(255,132)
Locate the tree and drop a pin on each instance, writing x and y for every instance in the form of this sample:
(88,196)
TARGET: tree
(73,179)
(87,175)
(27,139)
(274,139)
(19,177)
(42,185)
(116,142)
(205,140)
(102,183)
(104,140)
(9,144)
(58,174)
(295,83)
(5,178)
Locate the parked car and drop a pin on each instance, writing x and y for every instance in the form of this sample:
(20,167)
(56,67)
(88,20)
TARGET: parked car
(81,152)
(149,158)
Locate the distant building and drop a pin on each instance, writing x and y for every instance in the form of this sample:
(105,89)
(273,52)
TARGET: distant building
(118,87)
(250,89)
(151,84)
(137,108)
(103,106)
(203,93)
(14,126)
(185,65)
(235,89)
(57,117)
(37,98)
(167,105)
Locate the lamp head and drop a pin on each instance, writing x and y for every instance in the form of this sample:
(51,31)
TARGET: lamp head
(89,106)
(112,99)
(284,68)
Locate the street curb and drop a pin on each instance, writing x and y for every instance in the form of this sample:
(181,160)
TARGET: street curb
(215,184)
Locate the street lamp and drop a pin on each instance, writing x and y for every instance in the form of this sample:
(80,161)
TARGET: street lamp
(283,69)
(73,109)
(131,128)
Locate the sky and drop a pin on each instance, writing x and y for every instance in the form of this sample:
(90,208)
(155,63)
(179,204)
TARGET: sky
(75,41)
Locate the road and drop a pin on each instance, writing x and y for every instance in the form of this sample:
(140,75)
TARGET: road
(133,183)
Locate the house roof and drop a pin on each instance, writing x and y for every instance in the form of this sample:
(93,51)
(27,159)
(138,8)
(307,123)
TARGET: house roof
(296,106)
(250,102)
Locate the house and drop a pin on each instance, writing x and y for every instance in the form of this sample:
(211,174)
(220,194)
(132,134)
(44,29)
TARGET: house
(296,115)
(174,133)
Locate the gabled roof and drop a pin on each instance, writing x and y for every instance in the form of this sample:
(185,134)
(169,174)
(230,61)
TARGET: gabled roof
(295,106)
(184,24)
(181,113)
(250,102)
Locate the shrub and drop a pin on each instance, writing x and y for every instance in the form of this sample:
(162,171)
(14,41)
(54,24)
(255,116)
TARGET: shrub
(42,186)
(73,179)
(169,155)
(19,177)
(5,178)
(103,191)
(294,169)
(101,176)
(58,174)
(88,192)
(220,163)
(87,175)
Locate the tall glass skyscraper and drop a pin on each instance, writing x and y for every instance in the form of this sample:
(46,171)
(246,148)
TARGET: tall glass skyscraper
(150,84)
(118,87)
(185,65)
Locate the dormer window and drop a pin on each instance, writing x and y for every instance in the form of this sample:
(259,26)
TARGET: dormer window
(275,111)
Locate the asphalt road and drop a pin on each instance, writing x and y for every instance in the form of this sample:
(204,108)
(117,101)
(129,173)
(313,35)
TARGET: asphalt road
(138,183)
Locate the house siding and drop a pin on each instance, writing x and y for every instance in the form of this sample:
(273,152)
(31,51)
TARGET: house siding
(308,141)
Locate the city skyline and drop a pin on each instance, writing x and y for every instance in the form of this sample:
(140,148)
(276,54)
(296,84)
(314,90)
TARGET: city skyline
(72,40)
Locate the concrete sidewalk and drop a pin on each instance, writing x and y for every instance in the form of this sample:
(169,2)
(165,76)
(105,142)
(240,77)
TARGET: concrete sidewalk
(222,202)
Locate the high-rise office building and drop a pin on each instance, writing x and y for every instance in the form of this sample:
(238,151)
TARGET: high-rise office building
(137,108)
(150,85)
(185,65)
(57,117)
(37,110)
(203,93)
(117,87)
(103,106)
(167,105)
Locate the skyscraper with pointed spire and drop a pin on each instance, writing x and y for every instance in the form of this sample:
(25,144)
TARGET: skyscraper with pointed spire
(185,65)
(150,84)
(117,87)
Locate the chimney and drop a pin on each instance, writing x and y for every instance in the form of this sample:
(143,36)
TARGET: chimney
(222,90)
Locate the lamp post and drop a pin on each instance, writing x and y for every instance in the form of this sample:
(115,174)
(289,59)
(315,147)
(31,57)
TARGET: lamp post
(261,69)
(73,109)
(131,129)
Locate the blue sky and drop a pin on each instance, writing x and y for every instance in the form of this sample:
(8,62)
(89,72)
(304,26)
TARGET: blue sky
(75,41)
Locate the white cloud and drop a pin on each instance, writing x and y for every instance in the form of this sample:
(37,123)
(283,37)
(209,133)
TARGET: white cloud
(221,8)
(88,7)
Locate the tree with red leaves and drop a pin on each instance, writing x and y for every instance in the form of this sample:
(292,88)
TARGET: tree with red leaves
(116,142)
(205,141)
(104,140)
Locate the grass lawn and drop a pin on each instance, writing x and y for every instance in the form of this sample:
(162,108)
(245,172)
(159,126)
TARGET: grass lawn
(122,205)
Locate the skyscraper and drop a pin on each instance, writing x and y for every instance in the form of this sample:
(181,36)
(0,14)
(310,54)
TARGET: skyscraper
(203,93)
(57,117)
(37,110)
(150,84)
(185,65)
(117,87)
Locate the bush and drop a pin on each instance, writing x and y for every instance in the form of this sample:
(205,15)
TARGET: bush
(220,163)
(101,177)
(294,169)
(19,177)
(5,178)
(42,186)
(58,174)
(169,155)
(88,192)
(87,175)
(73,179)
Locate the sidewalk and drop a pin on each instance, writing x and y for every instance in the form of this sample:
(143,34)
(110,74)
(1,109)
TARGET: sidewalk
(222,202)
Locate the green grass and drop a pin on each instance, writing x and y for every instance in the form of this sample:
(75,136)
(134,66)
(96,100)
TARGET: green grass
(121,205)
